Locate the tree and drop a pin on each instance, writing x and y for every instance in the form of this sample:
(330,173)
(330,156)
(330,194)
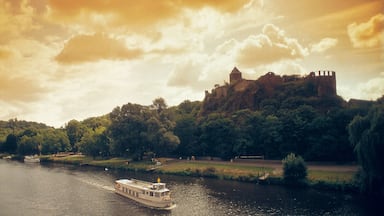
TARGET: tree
(29,145)
(10,144)
(159,104)
(75,131)
(271,137)
(128,130)
(217,136)
(94,143)
(294,169)
(243,141)
(186,130)
(168,142)
(366,134)
(54,141)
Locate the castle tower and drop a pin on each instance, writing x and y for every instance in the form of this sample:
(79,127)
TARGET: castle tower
(235,76)
(326,83)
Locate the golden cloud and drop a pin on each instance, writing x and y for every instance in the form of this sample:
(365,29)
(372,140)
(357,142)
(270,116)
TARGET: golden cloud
(83,48)
(131,12)
(16,89)
(16,17)
(185,74)
(270,46)
(324,44)
(5,53)
(368,34)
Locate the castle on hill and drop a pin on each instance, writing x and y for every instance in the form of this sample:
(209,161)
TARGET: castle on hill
(323,81)
(242,93)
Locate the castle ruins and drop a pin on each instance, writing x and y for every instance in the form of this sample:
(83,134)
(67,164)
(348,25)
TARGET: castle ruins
(323,81)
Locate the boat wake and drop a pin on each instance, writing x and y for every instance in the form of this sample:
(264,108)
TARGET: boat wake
(98,185)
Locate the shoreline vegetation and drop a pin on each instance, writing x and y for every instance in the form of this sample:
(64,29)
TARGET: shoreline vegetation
(323,176)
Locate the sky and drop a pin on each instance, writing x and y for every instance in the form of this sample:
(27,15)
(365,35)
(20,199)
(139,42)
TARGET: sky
(75,59)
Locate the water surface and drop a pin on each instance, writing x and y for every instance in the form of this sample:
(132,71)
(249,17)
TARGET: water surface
(54,189)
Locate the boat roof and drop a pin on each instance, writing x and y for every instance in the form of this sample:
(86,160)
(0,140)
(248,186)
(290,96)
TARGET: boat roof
(142,184)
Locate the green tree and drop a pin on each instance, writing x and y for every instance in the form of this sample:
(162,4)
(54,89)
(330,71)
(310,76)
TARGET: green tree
(159,104)
(75,131)
(128,130)
(243,141)
(29,145)
(168,142)
(186,130)
(188,108)
(94,143)
(367,137)
(294,169)
(271,137)
(217,136)
(10,144)
(54,141)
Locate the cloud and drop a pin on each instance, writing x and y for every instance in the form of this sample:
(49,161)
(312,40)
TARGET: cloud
(185,74)
(84,48)
(131,12)
(5,53)
(24,71)
(368,34)
(16,17)
(19,89)
(287,67)
(372,89)
(270,46)
(324,45)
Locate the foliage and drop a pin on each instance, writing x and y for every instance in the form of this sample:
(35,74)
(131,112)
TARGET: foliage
(217,136)
(289,119)
(10,145)
(94,143)
(367,137)
(137,129)
(294,169)
(75,131)
(29,145)
(186,131)
(54,141)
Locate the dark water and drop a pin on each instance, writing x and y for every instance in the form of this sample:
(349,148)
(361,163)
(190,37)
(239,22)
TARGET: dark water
(52,189)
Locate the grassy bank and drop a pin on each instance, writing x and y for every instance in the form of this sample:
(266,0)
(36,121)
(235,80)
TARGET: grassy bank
(333,180)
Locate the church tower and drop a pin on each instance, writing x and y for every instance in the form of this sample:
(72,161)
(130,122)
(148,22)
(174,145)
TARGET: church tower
(235,76)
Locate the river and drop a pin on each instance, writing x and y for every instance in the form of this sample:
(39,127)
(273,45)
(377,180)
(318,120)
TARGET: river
(56,189)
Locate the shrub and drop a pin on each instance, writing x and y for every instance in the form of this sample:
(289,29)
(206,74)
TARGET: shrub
(209,172)
(294,169)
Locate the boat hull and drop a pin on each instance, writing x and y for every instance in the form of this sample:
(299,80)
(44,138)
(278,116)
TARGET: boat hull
(31,159)
(140,197)
(155,205)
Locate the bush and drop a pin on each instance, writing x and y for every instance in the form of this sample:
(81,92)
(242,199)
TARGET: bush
(294,169)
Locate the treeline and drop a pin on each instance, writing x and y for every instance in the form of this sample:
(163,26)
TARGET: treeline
(135,131)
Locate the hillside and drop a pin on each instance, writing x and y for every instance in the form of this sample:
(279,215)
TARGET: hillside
(17,126)
(272,92)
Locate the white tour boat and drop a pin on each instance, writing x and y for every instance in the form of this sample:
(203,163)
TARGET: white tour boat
(154,195)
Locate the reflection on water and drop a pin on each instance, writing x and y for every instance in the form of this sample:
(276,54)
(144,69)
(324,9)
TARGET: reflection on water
(52,189)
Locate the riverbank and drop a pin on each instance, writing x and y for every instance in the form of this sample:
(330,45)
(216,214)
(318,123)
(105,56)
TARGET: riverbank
(321,176)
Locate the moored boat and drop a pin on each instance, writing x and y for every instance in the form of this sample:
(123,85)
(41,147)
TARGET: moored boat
(153,195)
(31,159)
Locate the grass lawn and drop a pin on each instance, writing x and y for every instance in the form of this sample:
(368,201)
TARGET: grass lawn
(331,176)
(217,169)
(226,170)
